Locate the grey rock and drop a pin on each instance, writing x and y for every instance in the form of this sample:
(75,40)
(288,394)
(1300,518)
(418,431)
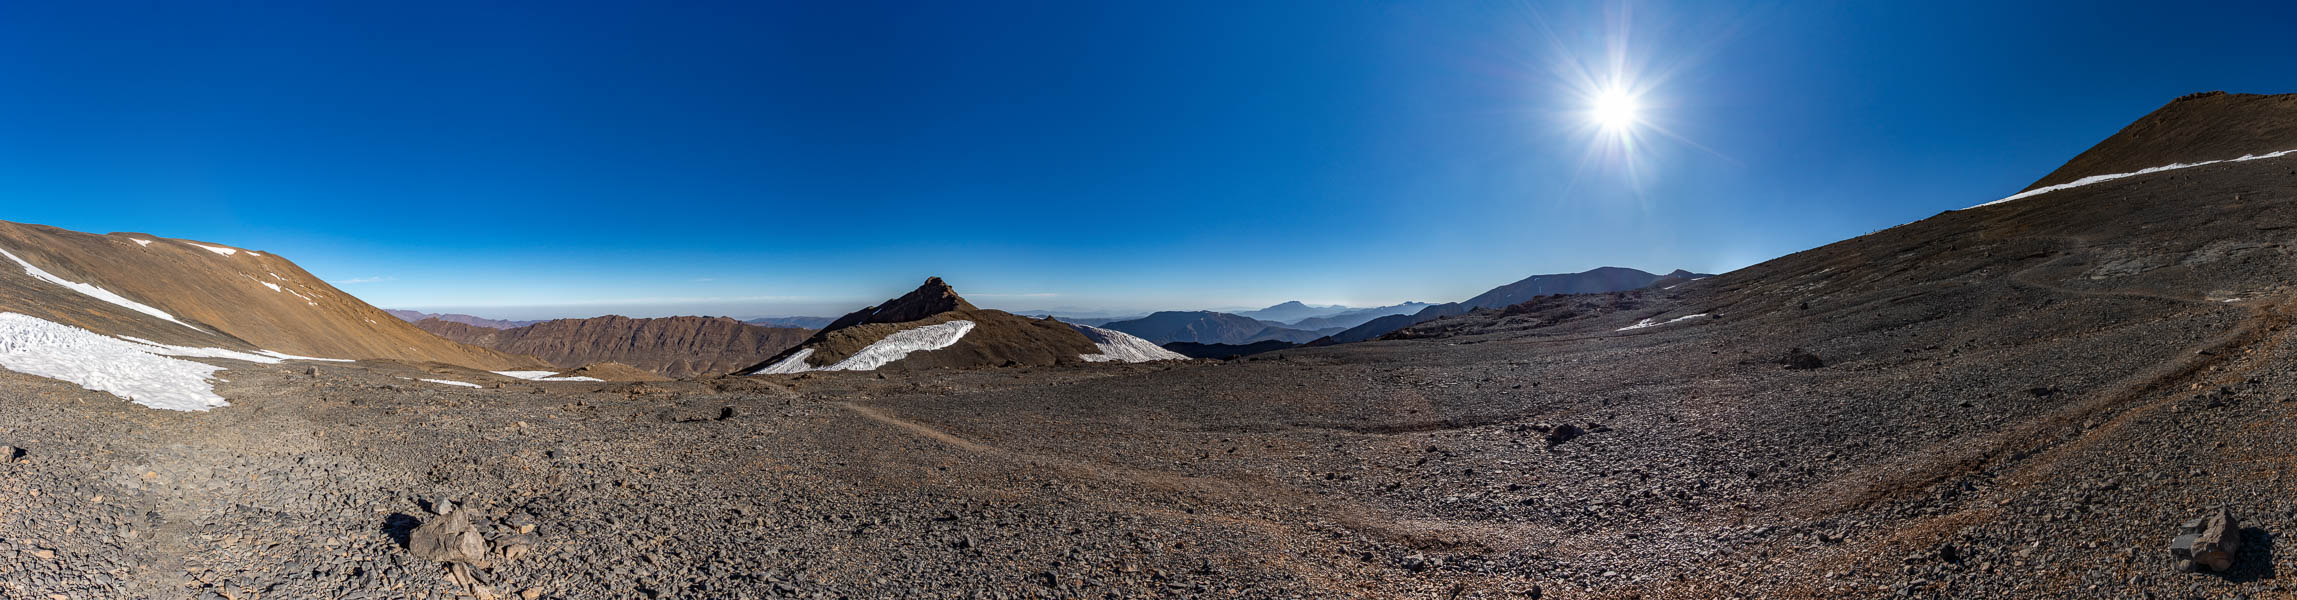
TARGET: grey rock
(450,538)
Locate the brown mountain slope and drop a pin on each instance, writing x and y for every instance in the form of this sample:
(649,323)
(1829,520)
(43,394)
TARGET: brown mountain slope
(2195,128)
(672,346)
(225,297)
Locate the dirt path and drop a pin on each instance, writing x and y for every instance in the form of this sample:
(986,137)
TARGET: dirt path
(2037,435)
(917,428)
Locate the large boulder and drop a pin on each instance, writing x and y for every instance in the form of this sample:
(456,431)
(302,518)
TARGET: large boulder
(2210,541)
(450,538)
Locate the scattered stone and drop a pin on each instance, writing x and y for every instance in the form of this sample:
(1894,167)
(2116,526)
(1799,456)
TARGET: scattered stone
(450,538)
(2209,541)
(1563,433)
(1797,358)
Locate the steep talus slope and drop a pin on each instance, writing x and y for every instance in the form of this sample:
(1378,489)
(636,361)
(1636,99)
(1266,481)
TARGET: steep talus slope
(671,346)
(2199,127)
(230,297)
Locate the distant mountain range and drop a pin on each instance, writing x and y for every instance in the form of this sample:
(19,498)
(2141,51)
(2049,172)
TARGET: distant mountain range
(798,322)
(1595,281)
(1292,311)
(416,316)
(1208,327)
(1357,316)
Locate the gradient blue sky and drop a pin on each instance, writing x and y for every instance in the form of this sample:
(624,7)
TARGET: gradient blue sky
(571,159)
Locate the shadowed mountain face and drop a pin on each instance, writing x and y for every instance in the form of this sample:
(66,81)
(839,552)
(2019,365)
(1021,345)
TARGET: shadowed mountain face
(1599,280)
(1207,327)
(1225,351)
(219,296)
(672,346)
(413,316)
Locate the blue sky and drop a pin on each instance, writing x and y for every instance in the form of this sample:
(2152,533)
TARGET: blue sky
(572,159)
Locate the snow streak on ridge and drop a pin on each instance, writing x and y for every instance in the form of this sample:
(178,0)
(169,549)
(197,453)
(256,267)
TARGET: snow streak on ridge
(94,292)
(2146,171)
(1651,323)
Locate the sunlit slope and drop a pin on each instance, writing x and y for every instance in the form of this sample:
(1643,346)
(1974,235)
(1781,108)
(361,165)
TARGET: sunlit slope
(206,294)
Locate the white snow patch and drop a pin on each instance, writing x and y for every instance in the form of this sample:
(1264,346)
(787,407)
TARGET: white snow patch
(796,363)
(274,287)
(901,343)
(93,291)
(141,242)
(456,383)
(138,372)
(894,347)
(254,253)
(217,249)
(1119,346)
(526,374)
(1651,323)
(543,376)
(2146,171)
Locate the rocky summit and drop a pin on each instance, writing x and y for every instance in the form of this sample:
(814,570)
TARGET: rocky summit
(933,328)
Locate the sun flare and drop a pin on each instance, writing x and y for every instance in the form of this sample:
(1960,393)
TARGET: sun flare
(1614,110)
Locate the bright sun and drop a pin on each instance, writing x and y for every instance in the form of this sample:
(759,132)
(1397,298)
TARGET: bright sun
(1614,110)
